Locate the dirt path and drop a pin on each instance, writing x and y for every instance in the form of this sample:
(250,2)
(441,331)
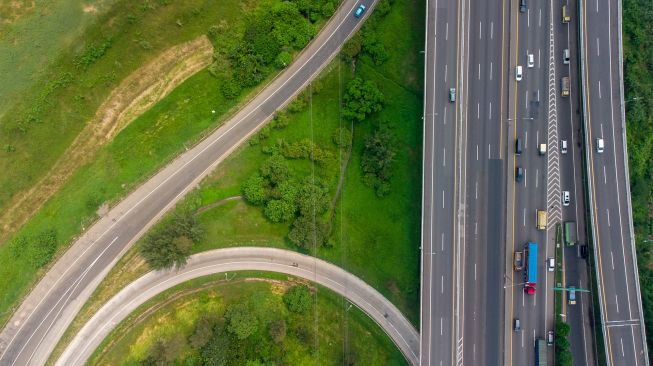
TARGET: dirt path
(136,94)
(216,204)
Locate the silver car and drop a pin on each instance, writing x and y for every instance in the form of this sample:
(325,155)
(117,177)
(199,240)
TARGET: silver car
(452,95)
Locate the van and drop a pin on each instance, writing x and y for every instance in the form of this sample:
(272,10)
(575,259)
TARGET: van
(542,149)
(565,56)
(518,147)
(518,73)
(541,220)
(531,60)
(563,146)
(600,145)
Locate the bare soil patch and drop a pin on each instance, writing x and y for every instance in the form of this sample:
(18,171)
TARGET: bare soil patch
(136,94)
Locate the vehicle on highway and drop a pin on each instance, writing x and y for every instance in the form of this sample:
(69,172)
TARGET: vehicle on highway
(541,220)
(531,60)
(564,86)
(359,11)
(563,146)
(518,261)
(541,149)
(550,264)
(600,145)
(518,73)
(583,251)
(452,95)
(518,148)
(531,268)
(540,352)
(565,56)
(569,233)
(517,327)
(571,295)
(519,174)
(549,338)
(522,6)
(566,198)
(565,14)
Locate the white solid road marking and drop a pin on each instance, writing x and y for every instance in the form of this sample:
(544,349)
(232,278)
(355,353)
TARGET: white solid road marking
(598,53)
(441,284)
(539,22)
(539,58)
(607,211)
(537,138)
(476,228)
(443,198)
(474,271)
(444,157)
(622,347)
(446,32)
(476,190)
(522,339)
(524,217)
(528,18)
(612,260)
(538,95)
(480,30)
(605,177)
(479,71)
(476,152)
(616,301)
(490,70)
(478,110)
(489,151)
(525,178)
(600,90)
(597,6)
(489,115)
(491,30)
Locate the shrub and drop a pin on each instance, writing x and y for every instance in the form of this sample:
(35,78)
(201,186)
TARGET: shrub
(242,322)
(377,160)
(298,299)
(361,99)
(170,245)
(230,89)
(255,190)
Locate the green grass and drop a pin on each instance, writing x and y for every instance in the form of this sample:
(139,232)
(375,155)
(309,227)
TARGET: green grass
(337,326)
(153,139)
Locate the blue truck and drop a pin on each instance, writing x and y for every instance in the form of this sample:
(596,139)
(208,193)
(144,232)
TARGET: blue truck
(531,268)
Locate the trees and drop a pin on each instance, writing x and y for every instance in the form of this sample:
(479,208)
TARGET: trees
(242,322)
(377,159)
(361,99)
(298,299)
(170,245)
(255,189)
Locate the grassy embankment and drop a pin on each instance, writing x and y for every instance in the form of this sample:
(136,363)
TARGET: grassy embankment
(74,92)
(331,331)
(638,74)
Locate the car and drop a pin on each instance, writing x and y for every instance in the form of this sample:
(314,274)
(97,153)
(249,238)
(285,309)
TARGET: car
(571,295)
(549,338)
(517,327)
(583,251)
(519,174)
(563,146)
(542,149)
(566,198)
(531,60)
(522,6)
(452,95)
(565,56)
(518,73)
(359,12)
(600,145)
(550,264)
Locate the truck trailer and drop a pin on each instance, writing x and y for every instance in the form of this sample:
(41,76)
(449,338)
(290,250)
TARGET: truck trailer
(570,233)
(531,268)
(540,352)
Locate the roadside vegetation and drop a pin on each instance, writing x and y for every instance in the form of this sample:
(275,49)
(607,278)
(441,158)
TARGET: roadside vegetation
(82,79)
(252,319)
(638,75)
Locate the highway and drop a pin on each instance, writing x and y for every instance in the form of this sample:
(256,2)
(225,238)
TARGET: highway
(440,325)
(620,297)
(366,298)
(34,328)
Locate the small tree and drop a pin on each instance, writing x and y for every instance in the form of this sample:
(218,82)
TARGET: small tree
(254,190)
(298,299)
(361,99)
(242,322)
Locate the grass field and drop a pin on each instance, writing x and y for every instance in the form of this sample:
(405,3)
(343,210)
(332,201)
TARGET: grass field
(339,329)
(137,152)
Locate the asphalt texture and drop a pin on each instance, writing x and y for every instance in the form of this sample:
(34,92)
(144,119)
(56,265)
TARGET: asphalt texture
(41,319)
(610,197)
(363,296)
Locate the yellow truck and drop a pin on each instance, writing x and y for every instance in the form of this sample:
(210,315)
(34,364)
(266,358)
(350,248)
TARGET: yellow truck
(564,86)
(541,220)
(565,14)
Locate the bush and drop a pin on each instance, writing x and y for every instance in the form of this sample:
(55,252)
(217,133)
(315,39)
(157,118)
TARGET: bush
(170,245)
(280,210)
(361,99)
(284,58)
(298,299)
(255,190)
(278,330)
(275,169)
(377,160)
(307,232)
(342,137)
(39,249)
(353,46)
(230,89)
(242,322)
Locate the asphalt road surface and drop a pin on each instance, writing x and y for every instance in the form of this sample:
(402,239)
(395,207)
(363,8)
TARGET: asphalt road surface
(440,250)
(610,196)
(328,275)
(31,333)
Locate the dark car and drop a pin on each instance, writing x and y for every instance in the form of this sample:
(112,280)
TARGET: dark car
(583,251)
(519,174)
(522,6)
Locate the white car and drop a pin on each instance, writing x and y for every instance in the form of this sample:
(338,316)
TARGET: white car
(600,145)
(563,146)
(566,198)
(550,264)
(531,60)
(518,73)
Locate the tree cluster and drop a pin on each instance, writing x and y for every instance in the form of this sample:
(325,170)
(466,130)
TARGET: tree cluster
(285,199)
(361,99)
(562,350)
(378,158)
(170,244)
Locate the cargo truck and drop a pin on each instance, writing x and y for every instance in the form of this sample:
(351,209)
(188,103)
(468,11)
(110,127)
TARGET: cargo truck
(541,220)
(531,268)
(570,233)
(564,86)
(540,352)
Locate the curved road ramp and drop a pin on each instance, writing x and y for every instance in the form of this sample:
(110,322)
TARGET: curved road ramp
(328,275)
